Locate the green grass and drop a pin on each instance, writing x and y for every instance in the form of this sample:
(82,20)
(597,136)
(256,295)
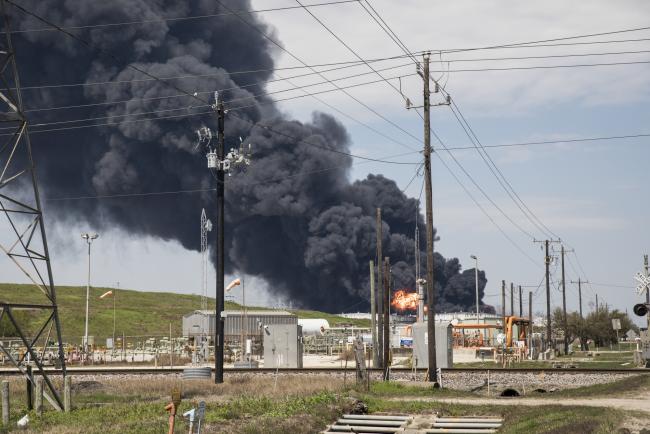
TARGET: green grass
(620,387)
(137,313)
(140,409)
(623,360)
(530,420)
(99,414)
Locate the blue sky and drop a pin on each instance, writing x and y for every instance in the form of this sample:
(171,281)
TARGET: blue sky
(592,194)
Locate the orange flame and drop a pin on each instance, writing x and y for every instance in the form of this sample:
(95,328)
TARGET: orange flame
(403,300)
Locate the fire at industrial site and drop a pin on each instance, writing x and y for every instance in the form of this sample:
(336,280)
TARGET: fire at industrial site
(274,216)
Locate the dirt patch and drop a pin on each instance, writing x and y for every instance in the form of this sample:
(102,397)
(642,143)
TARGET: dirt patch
(583,427)
(86,386)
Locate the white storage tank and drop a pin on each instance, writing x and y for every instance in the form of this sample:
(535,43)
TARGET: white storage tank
(313,326)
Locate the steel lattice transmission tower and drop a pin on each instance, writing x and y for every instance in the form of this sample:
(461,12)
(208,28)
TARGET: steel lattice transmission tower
(206,226)
(33,314)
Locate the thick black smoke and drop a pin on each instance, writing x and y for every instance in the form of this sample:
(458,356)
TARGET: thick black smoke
(294,219)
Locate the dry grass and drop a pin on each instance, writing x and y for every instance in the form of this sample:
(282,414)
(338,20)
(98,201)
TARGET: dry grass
(160,386)
(245,385)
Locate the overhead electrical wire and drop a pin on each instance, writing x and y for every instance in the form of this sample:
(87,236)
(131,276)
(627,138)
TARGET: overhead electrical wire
(203,190)
(179,19)
(273,41)
(131,66)
(356,64)
(550,142)
(144,72)
(525,68)
(548,56)
(613,285)
(235,99)
(338,65)
(490,218)
(568,44)
(494,169)
(415,175)
(398,41)
(542,41)
(403,47)
(347,46)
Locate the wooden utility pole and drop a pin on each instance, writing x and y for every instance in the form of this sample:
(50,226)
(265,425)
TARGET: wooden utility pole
(521,304)
(564,319)
(373,316)
(386,319)
(431,315)
(647,290)
(547,263)
(512,299)
(380,298)
(503,304)
(530,320)
(218,339)
(579,282)
(596,303)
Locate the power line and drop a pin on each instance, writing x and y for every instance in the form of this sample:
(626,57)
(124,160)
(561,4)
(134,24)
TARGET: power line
(350,49)
(569,44)
(129,65)
(541,41)
(548,56)
(498,174)
(178,19)
(301,61)
(203,190)
(613,285)
(480,207)
(549,142)
(525,68)
(329,81)
(415,175)
(403,47)
(230,101)
(338,65)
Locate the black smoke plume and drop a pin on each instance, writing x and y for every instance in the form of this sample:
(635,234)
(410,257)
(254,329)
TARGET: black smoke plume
(294,219)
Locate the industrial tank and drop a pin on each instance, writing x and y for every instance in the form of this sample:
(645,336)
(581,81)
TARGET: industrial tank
(313,326)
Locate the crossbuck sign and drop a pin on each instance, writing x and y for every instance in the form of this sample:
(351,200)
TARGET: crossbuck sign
(643,280)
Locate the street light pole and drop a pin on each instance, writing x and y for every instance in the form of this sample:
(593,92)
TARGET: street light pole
(475,258)
(114,301)
(89,240)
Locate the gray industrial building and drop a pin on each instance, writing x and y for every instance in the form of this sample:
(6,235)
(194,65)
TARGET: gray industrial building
(444,345)
(283,346)
(202,322)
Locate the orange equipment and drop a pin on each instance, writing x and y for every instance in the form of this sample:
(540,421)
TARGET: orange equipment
(521,323)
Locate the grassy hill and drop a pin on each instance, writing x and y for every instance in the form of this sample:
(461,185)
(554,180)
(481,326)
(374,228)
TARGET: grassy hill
(137,313)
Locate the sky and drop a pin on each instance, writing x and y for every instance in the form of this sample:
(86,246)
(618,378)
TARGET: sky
(592,194)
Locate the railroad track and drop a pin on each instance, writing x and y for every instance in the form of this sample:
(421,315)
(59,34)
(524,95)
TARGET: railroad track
(139,370)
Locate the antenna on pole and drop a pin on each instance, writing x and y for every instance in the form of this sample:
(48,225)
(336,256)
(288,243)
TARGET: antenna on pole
(219,165)
(206,226)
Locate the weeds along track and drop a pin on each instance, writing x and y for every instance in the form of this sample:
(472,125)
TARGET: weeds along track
(139,370)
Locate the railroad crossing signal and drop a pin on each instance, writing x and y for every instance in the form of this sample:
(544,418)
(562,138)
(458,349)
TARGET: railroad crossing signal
(643,280)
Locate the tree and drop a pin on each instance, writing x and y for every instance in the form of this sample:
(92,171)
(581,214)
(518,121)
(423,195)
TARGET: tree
(597,326)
